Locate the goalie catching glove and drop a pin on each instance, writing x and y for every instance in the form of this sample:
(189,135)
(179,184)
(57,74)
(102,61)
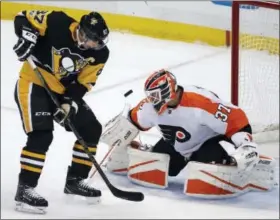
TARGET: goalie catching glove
(245,151)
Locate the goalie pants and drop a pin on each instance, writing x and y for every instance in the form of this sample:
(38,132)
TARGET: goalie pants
(36,110)
(209,152)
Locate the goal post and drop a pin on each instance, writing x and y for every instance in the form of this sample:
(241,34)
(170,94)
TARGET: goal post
(255,63)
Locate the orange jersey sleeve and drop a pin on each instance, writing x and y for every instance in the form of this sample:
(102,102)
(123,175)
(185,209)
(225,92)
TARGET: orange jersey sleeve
(215,113)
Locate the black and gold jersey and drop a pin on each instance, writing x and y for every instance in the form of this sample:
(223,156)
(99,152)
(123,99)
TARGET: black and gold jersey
(56,53)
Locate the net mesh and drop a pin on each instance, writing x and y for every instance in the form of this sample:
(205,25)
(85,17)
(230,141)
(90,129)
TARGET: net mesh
(259,67)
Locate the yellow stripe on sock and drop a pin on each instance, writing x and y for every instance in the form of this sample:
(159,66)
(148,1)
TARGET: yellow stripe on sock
(35,155)
(80,147)
(32,169)
(84,162)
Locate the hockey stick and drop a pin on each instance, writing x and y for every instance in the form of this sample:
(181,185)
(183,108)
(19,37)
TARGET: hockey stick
(131,196)
(112,147)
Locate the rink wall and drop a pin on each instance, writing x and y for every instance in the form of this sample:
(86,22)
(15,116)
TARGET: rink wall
(189,21)
(138,17)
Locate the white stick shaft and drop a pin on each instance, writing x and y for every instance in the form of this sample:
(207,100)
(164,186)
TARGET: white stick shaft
(102,161)
(31,62)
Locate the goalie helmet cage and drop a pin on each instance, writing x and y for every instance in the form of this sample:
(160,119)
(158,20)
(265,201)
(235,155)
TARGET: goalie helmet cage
(255,65)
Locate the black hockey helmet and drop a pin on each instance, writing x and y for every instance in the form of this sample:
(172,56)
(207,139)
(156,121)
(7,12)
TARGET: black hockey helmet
(94,28)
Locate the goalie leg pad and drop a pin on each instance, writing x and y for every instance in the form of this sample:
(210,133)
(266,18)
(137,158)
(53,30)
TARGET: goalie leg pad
(148,169)
(212,181)
(265,172)
(118,161)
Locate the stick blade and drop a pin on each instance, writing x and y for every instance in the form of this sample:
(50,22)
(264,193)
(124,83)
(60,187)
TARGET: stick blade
(128,195)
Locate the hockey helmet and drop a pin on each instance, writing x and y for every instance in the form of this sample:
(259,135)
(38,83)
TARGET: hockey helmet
(160,88)
(93,31)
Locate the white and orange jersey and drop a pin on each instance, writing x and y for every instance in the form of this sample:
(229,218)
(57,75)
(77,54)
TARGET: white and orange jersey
(199,116)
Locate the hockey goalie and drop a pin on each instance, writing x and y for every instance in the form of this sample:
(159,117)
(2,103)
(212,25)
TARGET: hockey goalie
(210,138)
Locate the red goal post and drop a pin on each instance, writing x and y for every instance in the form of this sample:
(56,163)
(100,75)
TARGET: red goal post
(255,61)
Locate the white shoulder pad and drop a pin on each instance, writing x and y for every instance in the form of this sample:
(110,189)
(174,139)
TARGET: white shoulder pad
(148,168)
(221,181)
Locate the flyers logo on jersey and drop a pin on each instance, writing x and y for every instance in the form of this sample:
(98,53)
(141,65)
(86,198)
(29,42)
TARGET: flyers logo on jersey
(174,133)
(65,62)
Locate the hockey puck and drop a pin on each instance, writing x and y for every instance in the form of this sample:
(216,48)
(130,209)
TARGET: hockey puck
(128,93)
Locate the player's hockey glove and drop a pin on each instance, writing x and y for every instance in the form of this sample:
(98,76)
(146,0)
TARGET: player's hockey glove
(25,45)
(68,110)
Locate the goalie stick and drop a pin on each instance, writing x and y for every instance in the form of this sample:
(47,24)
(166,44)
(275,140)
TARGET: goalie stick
(127,195)
(112,147)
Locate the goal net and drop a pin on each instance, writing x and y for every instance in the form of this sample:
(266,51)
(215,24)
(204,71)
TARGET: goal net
(255,65)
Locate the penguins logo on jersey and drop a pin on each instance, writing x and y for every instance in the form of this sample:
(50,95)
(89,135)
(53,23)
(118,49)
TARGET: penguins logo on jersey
(65,62)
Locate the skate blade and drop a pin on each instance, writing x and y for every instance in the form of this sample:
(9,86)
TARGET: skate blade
(93,200)
(70,198)
(23,207)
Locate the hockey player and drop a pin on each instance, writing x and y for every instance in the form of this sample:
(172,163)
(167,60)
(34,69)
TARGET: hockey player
(71,56)
(197,128)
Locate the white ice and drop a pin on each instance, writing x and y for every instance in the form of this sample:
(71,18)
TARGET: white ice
(132,59)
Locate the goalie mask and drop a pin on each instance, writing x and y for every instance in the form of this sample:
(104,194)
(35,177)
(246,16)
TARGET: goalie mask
(160,88)
(92,32)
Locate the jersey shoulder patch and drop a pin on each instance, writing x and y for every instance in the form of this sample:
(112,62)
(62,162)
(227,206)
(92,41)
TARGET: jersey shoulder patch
(100,56)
